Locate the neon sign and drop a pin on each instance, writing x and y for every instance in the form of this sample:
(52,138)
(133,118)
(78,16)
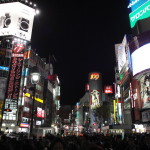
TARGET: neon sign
(94,76)
(142,12)
(40,112)
(4,68)
(24,125)
(108,89)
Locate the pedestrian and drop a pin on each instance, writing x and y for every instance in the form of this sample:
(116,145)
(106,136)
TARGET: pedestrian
(57,144)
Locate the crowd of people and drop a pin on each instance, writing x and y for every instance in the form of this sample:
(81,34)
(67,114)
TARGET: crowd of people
(84,142)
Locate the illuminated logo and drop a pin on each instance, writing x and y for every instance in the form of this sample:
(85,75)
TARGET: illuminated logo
(94,76)
(108,89)
(18,48)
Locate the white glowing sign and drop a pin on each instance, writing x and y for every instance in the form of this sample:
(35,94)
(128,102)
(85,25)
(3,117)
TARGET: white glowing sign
(120,52)
(16,19)
(140,59)
(95,98)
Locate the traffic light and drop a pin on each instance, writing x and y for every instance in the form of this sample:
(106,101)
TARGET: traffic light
(8,110)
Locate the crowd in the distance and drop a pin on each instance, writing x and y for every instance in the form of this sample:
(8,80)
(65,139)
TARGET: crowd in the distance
(85,142)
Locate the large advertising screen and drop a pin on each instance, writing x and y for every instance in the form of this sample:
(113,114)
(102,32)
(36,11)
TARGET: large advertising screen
(16,19)
(145,91)
(140,59)
(95,89)
(140,13)
(95,98)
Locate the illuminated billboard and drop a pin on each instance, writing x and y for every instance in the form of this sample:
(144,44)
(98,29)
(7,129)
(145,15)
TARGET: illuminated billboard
(95,98)
(94,76)
(134,4)
(145,91)
(108,89)
(140,13)
(140,59)
(16,19)
(95,89)
(121,54)
(40,112)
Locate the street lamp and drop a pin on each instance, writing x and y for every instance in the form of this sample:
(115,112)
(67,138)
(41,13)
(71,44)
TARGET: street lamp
(35,78)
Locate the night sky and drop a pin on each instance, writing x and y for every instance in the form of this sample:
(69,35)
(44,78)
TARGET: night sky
(81,35)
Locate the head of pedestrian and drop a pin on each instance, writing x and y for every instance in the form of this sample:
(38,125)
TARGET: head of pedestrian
(57,144)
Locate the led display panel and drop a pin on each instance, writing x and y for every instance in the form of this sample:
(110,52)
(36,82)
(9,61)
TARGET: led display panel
(16,19)
(140,13)
(140,59)
(95,98)
(145,91)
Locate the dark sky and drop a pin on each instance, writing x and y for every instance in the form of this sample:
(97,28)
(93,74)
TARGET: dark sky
(81,35)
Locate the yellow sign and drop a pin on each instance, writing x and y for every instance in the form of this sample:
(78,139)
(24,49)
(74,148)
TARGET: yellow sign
(94,76)
(114,102)
(37,99)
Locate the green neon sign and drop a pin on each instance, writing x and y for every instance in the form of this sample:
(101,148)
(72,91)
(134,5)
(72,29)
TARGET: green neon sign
(121,76)
(141,13)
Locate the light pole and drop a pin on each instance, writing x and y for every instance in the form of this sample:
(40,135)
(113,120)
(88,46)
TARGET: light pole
(35,78)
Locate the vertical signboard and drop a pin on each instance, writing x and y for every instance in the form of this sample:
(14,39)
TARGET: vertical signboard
(94,98)
(95,89)
(121,54)
(13,89)
(16,19)
(14,78)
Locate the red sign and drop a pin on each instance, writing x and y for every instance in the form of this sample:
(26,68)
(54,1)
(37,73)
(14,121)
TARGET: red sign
(52,77)
(14,78)
(40,112)
(87,87)
(108,89)
(18,48)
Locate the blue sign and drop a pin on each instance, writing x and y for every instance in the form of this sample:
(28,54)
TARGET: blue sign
(25,72)
(134,4)
(4,68)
